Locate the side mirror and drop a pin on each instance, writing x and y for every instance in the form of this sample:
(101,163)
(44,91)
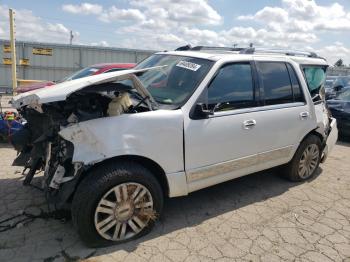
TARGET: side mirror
(317,98)
(201,111)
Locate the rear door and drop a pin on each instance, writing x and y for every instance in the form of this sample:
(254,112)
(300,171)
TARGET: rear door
(288,117)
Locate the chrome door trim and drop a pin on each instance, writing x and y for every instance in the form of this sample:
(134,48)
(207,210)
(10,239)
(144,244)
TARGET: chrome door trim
(237,164)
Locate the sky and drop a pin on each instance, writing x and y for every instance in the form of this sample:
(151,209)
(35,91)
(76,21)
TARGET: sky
(315,25)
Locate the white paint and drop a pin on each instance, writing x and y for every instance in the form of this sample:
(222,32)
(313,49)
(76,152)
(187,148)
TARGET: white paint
(156,135)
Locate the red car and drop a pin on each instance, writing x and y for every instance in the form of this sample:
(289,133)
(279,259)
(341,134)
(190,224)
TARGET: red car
(87,71)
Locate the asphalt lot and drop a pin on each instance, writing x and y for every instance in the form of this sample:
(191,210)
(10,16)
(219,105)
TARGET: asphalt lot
(260,217)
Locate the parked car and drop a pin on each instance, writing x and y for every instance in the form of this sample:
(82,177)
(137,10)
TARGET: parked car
(33,86)
(112,146)
(88,71)
(340,108)
(341,82)
(329,90)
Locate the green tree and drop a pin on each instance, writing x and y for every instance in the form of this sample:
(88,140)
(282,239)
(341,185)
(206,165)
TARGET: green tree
(339,63)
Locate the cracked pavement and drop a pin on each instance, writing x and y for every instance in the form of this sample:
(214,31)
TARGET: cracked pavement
(260,217)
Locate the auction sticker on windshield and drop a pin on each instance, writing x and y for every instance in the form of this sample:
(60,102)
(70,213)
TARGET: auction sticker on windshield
(188,65)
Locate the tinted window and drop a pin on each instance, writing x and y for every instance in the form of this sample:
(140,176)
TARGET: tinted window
(276,83)
(297,92)
(232,88)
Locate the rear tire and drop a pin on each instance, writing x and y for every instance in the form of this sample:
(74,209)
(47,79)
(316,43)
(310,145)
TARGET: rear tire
(115,203)
(306,160)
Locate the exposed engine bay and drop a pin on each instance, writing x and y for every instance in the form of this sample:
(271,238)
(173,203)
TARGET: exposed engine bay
(43,149)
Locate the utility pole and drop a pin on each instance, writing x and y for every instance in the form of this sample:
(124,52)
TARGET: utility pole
(13,50)
(71,37)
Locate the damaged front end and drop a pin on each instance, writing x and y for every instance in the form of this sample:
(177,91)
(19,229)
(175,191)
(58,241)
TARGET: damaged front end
(39,143)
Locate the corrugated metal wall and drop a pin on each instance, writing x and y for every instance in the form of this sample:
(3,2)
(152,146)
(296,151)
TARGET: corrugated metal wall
(338,71)
(64,60)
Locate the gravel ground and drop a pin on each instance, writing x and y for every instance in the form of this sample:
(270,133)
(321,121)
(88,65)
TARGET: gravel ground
(260,217)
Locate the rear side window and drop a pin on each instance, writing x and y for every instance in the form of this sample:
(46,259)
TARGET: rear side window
(232,88)
(276,83)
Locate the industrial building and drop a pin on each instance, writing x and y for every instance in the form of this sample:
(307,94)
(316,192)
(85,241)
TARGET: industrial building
(48,61)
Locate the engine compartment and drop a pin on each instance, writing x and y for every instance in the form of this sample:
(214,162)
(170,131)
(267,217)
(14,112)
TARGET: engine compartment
(43,149)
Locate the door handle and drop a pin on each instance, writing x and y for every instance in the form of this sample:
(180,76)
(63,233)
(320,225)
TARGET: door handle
(249,124)
(304,115)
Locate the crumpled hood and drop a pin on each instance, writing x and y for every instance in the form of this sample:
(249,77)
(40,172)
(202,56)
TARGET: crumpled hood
(60,91)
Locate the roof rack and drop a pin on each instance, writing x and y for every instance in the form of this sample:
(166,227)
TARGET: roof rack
(213,48)
(250,50)
(281,51)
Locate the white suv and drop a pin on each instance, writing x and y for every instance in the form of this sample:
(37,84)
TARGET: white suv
(112,146)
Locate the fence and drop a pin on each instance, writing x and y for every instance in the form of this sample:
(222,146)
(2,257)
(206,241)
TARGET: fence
(44,61)
(338,71)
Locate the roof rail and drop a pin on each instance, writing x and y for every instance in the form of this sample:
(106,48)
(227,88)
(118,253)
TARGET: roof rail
(250,50)
(217,48)
(214,48)
(284,52)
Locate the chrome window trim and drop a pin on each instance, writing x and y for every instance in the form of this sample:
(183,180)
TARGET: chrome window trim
(257,109)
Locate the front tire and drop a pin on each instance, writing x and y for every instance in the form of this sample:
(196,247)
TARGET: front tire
(116,203)
(305,161)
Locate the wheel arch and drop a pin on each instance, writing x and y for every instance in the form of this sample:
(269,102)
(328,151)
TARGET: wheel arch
(312,132)
(148,163)
(315,133)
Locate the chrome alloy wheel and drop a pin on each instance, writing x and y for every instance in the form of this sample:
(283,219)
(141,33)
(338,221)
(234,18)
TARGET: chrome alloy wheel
(308,161)
(124,211)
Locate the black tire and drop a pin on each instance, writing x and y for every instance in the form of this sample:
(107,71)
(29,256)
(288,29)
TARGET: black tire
(94,187)
(291,170)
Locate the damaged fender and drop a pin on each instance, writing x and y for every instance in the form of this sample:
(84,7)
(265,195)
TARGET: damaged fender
(145,134)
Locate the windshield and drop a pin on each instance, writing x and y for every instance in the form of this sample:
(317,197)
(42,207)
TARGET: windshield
(174,83)
(88,71)
(344,95)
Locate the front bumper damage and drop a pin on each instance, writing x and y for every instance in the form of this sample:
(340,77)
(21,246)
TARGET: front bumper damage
(50,111)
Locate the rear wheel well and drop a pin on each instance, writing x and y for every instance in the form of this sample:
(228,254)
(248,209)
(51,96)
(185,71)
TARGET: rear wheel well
(151,165)
(315,133)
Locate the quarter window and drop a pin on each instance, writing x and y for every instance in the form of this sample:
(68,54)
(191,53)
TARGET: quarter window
(315,77)
(276,83)
(232,88)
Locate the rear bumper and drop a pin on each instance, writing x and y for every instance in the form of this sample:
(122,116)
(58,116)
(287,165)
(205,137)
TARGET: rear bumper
(331,140)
